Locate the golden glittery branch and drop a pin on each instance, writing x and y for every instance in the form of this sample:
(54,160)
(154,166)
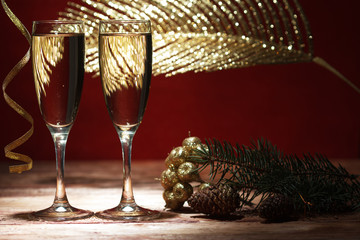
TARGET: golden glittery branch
(205,35)
(208,35)
(11,146)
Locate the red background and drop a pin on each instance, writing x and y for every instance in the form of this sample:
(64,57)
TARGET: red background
(299,107)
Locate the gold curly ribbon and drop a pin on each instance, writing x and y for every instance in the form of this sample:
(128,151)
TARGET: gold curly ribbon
(15,70)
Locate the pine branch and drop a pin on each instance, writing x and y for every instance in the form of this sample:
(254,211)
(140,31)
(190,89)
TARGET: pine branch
(260,169)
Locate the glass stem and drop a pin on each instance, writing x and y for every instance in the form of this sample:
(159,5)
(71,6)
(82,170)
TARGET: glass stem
(126,138)
(60,136)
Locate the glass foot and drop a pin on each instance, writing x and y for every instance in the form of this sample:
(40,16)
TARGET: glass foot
(61,212)
(128,212)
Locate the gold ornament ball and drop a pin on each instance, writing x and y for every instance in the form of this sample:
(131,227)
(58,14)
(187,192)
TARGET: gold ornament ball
(196,149)
(171,201)
(191,142)
(200,147)
(182,191)
(187,172)
(169,179)
(176,157)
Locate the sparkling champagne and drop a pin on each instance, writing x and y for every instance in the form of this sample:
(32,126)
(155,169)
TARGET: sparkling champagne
(58,66)
(125,68)
(125,56)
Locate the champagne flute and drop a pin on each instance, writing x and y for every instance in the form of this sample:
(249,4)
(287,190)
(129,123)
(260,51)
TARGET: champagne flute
(58,67)
(125,55)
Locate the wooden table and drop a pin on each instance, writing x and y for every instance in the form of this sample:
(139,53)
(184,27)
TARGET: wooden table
(96,186)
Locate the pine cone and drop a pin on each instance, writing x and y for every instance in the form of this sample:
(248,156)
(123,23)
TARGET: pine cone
(276,207)
(220,200)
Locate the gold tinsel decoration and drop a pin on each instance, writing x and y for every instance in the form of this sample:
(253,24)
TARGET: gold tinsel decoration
(9,148)
(207,35)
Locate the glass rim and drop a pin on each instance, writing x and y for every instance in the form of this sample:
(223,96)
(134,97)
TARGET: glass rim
(59,21)
(125,21)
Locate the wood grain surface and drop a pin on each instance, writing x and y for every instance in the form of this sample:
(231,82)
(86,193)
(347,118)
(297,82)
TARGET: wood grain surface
(97,186)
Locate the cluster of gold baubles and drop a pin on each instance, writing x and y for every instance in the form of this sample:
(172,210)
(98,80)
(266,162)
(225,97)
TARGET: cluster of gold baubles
(181,171)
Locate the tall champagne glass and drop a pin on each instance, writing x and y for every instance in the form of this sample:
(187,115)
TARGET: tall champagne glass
(58,67)
(125,52)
